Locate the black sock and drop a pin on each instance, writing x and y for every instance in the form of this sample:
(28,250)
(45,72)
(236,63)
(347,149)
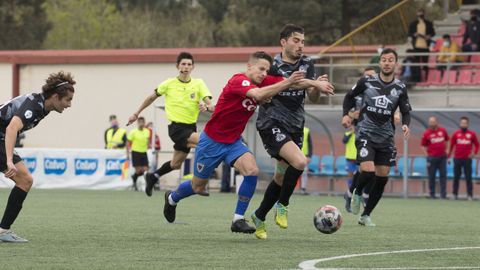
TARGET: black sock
(368,187)
(269,199)
(14,205)
(166,168)
(289,183)
(135,177)
(375,194)
(363,180)
(354,181)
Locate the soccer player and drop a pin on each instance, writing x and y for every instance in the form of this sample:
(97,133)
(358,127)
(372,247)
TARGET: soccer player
(465,143)
(221,139)
(185,97)
(138,140)
(16,116)
(280,125)
(382,94)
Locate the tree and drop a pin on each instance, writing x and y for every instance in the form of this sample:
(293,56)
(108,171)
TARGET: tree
(23,24)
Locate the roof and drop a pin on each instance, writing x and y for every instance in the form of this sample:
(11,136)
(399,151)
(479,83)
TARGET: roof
(223,54)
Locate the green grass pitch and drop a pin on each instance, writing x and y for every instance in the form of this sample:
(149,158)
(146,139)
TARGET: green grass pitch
(73,229)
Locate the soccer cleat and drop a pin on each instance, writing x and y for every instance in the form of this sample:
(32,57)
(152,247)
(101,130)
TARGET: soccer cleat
(348,200)
(281,214)
(151,180)
(355,203)
(10,237)
(169,211)
(261,229)
(366,221)
(241,226)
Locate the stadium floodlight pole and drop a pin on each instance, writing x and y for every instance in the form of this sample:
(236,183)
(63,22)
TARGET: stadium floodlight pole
(405,168)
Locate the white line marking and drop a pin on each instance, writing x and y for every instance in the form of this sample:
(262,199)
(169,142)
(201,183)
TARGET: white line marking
(310,265)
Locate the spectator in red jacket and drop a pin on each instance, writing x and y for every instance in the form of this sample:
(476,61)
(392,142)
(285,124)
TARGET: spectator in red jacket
(434,146)
(466,146)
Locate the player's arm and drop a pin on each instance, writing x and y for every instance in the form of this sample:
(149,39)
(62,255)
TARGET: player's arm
(124,141)
(267,92)
(11,132)
(147,102)
(405,108)
(453,142)
(349,101)
(476,145)
(129,144)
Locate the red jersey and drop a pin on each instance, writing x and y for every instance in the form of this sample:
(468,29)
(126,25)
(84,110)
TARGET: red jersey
(463,141)
(234,108)
(435,141)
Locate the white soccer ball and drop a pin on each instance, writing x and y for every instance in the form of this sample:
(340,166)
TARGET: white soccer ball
(327,219)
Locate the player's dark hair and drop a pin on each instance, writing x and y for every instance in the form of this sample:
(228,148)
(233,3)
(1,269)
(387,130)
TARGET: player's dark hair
(141,118)
(58,83)
(464,118)
(262,55)
(368,69)
(389,50)
(289,29)
(184,55)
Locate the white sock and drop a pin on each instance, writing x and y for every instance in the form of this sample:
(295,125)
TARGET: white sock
(237,217)
(349,193)
(365,196)
(171,201)
(2,230)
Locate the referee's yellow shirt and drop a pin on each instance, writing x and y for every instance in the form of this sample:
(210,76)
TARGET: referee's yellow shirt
(139,139)
(182,99)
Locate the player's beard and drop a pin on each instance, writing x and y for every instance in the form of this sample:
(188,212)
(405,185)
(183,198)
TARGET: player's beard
(387,73)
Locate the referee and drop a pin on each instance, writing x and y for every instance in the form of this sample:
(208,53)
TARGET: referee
(138,140)
(185,97)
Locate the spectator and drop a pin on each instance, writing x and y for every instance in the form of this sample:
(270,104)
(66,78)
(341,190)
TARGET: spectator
(138,139)
(115,137)
(350,152)
(421,32)
(466,146)
(376,59)
(448,53)
(471,38)
(410,73)
(434,146)
(307,149)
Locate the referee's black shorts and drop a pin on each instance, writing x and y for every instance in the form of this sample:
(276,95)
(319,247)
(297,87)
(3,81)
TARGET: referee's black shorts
(139,159)
(179,133)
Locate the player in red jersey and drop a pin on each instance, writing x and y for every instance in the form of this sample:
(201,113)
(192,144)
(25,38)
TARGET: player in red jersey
(221,139)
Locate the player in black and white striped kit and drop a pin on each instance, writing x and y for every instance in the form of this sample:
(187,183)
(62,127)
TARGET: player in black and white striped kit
(16,116)
(376,152)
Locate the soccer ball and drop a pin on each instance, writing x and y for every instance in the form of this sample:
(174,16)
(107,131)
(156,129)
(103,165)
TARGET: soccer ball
(327,219)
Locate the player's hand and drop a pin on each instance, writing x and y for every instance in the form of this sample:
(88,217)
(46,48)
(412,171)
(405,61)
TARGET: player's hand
(356,114)
(202,107)
(326,87)
(324,77)
(11,170)
(472,155)
(406,131)
(346,121)
(132,119)
(296,77)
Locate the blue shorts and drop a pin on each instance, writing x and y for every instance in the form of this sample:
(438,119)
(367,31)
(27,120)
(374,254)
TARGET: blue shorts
(209,154)
(351,166)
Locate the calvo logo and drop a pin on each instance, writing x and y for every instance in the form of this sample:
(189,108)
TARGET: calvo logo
(55,165)
(113,166)
(86,166)
(30,163)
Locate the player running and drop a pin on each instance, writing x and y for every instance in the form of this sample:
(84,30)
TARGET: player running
(382,95)
(221,139)
(185,97)
(280,125)
(16,116)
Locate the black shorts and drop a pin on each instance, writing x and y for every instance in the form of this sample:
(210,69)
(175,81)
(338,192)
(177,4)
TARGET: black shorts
(3,156)
(383,154)
(275,137)
(179,133)
(139,159)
